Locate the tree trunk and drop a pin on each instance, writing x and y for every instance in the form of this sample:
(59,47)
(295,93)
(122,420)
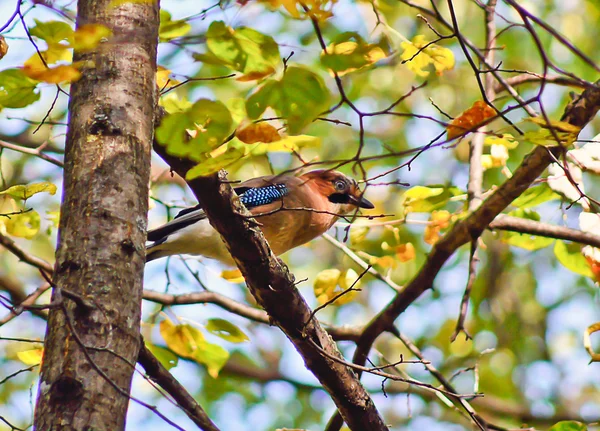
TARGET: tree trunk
(92,338)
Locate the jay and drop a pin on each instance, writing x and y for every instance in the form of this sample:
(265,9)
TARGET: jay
(292,210)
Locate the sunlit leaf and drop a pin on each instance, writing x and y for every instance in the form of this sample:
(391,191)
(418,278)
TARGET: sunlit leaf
(34,68)
(173,103)
(438,221)
(570,256)
(167,358)
(358,234)
(188,342)
(164,80)
(243,49)
(171,29)
(195,132)
(419,53)
(325,284)
(233,275)
(535,196)
(569,426)
(287,145)
(24,192)
(406,252)
(226,330)
(552,134)
(470,119)
(53,32)
(31,357)
(319,9)
(300,96)
(88,36)
(496,159)
(24,225)
(17,90)
(588,156)
(349,278)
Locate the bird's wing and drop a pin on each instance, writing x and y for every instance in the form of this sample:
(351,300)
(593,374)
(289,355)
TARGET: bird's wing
(251,197)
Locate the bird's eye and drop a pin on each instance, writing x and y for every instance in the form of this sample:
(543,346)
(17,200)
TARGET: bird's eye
(340,185)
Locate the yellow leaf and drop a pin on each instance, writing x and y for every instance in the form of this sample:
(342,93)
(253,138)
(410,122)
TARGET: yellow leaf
(88,36)
(326,285)
(163,81)
(470,119)
(172,103)
(506,140)
(319,9)
(24,192)
(233,275)
(181,339)
(405,252)
(349,278)
(587,342)
(326,281)
(31,357)
(288,145)
(258,132)
(24,225)
(496,159)
(438,221)
(418,54)
(358,234)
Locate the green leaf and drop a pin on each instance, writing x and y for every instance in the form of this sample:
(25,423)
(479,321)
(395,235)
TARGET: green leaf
(226,330)
(234,151)
(24,225)
(167,358)
(53,32)
(243,49)
(350,52)
(423,199)
(569,426)
(523,240)
(213,356)
(570,256)
(300,96)
(17,90)
(170,29)
(197,131)
(535,196)
(26,191)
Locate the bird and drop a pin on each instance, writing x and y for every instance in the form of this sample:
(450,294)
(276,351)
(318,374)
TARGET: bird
(292,210)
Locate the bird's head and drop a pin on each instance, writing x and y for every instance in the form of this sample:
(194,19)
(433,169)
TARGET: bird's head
(338,189)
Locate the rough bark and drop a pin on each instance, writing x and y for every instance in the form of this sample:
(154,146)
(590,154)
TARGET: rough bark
(86,372)
(270,282)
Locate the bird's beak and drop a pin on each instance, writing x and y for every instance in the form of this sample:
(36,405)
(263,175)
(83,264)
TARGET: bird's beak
(361,202)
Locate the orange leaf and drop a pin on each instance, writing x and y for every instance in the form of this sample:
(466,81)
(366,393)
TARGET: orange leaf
(54,75)
(3,47)
(88,36)
(405,252)
(468,120)
(594,266)
(258,132)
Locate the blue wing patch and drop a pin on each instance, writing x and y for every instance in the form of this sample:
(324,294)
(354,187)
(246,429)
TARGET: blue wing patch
(263,195)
